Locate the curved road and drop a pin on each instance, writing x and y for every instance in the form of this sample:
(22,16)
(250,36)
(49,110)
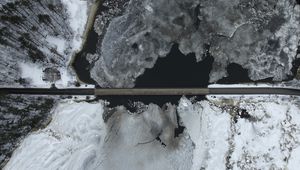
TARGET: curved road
(153,91)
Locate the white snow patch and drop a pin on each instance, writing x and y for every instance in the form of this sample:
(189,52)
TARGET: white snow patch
(208,127)
(132,144)
(70,141)
(58,43)
(67,80)
(78,12)
(241,85)
(294,161)
(33,72)
(252,85)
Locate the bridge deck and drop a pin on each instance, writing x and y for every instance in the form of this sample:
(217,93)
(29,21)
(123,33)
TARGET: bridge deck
(153,91)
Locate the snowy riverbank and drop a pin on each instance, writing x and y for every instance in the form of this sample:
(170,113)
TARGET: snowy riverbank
(223,132)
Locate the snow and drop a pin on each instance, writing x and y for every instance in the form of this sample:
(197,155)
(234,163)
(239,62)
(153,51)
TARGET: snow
(56,36)
(66,80)
(78,13)
(269,139)
(69,142)
(208,127)
(294,160)
(241,85)
(78,16)
(78,138)
(57,49)
(58,43)
(216,136)
(131,142)
(252,85)
(34,73)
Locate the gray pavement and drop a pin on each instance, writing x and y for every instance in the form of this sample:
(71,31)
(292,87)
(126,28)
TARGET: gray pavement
(154,91)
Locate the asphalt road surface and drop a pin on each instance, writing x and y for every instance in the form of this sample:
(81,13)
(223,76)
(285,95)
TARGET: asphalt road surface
(153,91)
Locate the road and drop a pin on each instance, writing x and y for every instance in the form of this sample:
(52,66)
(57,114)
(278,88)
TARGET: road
(153,91)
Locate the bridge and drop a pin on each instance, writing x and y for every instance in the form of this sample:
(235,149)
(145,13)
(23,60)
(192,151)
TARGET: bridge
(154,91)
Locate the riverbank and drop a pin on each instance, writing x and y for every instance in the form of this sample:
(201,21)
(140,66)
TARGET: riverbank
(88,29)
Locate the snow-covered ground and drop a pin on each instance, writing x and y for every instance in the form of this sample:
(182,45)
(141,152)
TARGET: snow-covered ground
(265,131)
(70,141)
(48,36)
(78,138)
(209,128)
(77,12)
(34,73)
(242,132)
